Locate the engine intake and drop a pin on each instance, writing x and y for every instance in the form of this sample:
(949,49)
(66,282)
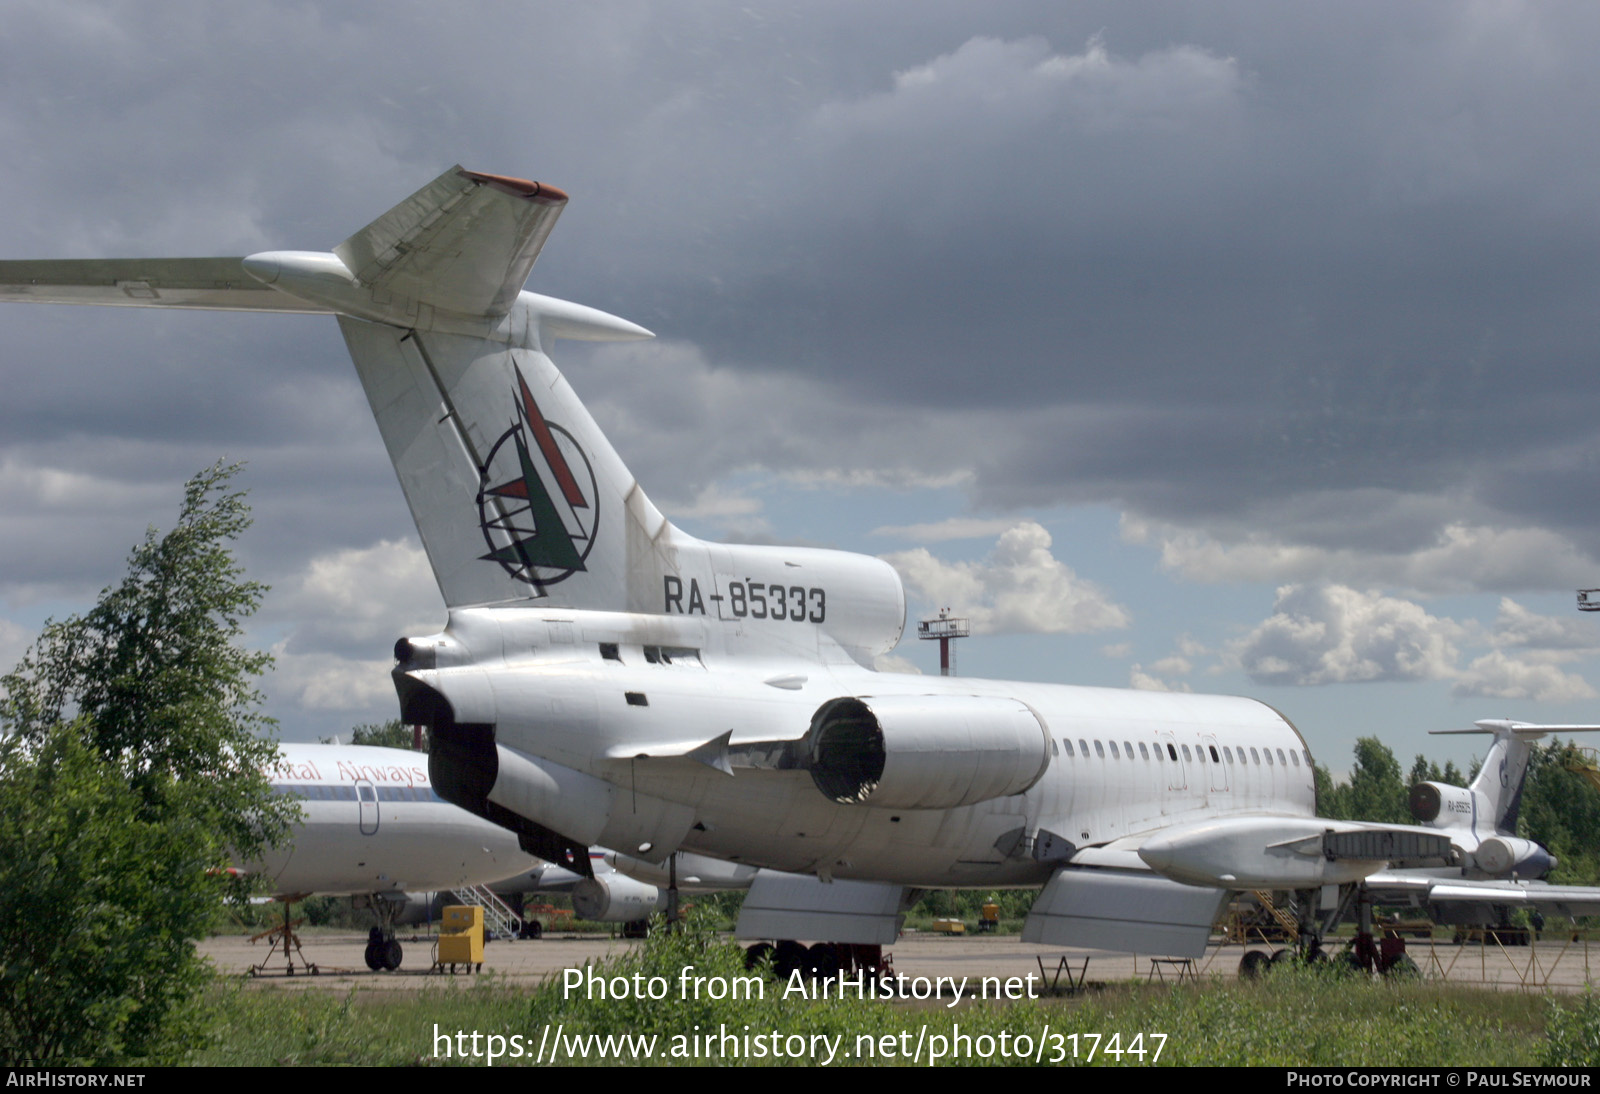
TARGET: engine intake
(1441,805)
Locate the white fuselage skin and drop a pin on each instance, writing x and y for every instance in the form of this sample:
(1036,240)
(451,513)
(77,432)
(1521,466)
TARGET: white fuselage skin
(564,703)
(371,823)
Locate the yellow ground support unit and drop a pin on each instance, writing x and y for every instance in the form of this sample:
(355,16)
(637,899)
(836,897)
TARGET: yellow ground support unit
(989,920)
(461,938)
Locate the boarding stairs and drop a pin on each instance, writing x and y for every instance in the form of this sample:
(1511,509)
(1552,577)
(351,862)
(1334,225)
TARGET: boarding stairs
(1583,762)
(498,918)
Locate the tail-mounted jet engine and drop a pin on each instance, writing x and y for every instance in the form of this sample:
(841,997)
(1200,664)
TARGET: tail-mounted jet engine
(1503,856)
(1442,805)
(616,898)
(925,751)
(557,812)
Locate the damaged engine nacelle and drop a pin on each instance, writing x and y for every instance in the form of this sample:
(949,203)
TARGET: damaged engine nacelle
(616,898)
(925,751)
(1503,856)
(557,812)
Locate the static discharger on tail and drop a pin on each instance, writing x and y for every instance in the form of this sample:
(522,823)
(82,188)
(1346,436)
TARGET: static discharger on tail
(607,679)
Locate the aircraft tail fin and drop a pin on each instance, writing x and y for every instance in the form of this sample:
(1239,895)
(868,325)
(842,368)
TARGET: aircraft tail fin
(1505,768)
(514,489)
(516,492)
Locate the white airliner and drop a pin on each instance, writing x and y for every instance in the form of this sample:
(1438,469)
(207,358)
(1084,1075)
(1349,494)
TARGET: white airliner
(606,679)
(372,826)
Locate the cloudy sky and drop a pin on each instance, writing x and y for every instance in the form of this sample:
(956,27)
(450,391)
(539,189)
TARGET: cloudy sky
(1240,347)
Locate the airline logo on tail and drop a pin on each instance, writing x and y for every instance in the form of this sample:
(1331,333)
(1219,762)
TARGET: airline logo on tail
(537,501)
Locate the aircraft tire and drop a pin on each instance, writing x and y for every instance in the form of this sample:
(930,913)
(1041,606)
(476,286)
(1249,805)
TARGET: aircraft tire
(1403,969)
(392,954)
(787,956)
(373,961)
(822,961)
(1254,965)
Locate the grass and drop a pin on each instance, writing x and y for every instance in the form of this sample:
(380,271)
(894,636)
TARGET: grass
(1296,1016)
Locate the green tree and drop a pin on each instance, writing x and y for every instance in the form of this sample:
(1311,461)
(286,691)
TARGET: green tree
(1425,770)
(1374,792)
(1327,795)
(132,767)
(391,734)
(99,905)
(1561,809)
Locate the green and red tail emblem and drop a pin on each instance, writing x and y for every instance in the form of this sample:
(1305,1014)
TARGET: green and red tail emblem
(537,502)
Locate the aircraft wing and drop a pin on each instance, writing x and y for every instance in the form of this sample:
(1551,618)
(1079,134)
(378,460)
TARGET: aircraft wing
(1458,899)
(218,284)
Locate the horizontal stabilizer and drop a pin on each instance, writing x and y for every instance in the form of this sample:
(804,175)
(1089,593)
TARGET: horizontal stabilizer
(858,913)
(457,244)
(1530,731)
(1124,911)
(219,284)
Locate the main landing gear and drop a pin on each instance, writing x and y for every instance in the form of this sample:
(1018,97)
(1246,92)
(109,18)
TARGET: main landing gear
(1367,953)
(819,961)
(384,952)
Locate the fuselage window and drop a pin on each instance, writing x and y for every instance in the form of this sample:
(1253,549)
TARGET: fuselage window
(1268,753)
(1114,754)
(1282,759)
(1172,753)
(1127,748)
(1054,751)
(1083,747)
(1227,753)
(1144,753)
(1255,758)
(1214,757)
(1187,758)
(1295,756)
(1067,742)
(1307,753)
(1099,749)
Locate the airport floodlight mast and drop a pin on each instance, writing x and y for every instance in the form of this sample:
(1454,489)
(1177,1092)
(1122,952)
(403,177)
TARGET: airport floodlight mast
(946,630)
(1589,600)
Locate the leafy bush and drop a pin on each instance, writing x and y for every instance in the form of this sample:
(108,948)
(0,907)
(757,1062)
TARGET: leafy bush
(1573,1033)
